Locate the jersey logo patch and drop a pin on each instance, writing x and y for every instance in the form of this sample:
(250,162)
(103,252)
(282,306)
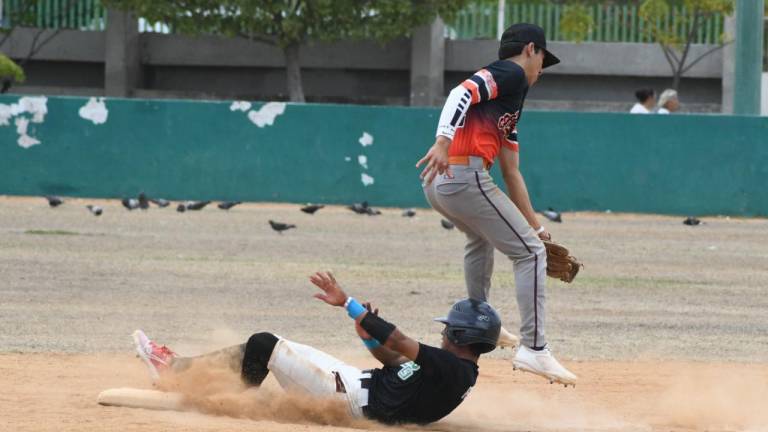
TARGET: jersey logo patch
(508,122)
(407,369)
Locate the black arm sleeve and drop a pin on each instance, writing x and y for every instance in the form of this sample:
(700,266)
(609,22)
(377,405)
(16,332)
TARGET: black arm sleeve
(377,327)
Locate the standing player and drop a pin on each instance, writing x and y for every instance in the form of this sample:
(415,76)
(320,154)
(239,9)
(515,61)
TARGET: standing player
(418,383)
(478,124)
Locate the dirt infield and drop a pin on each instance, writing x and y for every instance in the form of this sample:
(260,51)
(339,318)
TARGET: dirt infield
(666,326)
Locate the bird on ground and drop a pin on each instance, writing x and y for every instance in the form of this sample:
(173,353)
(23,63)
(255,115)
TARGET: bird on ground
(691,221)
(226,205)
(280,227)
(359,208)
(370,211)
(552,215)
(409,212)
(160,202)
(54,201)
(196,205)
(96,210)
(311,208)
(447,224)
(181,208)
(130,203)
(143,201)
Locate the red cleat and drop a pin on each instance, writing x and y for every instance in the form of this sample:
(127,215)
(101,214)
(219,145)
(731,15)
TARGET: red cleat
(157,358)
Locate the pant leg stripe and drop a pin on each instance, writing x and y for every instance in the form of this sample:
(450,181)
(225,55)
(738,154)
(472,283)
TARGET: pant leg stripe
(535,262)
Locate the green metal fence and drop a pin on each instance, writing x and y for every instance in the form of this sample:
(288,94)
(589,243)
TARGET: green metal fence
(612,23)
(55,14)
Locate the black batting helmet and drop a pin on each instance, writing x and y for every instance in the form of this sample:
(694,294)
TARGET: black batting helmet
(472,322)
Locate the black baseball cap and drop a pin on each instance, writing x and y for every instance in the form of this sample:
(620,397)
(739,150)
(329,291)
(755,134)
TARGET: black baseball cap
(526,33)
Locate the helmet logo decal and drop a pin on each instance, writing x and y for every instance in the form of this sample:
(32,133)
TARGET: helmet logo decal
(483,318)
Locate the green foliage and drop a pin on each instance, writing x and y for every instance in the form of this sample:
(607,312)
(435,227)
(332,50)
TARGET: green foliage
(576,23)
(10,70)
(652,12)
(286,22)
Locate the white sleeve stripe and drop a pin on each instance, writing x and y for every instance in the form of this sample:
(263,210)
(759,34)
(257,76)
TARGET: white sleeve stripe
(453,112)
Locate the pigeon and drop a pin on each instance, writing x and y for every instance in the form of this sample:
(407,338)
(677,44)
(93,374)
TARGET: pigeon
(280,227)
(181,208)
(370,211)
(143,201)
(447,224)
(54,201)
(226,205)
(691,221)
(359,208)
(96,210)
(196,205)
(130,203)
(311,208)
(409,213)
(160,202)
(552,215)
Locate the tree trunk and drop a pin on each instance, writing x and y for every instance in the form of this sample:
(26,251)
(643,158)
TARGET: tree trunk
(293,73)
(676,81)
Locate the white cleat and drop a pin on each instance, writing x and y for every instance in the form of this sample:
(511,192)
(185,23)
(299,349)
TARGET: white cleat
(507,339)
(544,364)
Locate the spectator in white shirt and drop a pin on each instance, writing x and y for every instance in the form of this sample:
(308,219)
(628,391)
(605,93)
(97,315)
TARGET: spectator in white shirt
(646,100)
(668,102)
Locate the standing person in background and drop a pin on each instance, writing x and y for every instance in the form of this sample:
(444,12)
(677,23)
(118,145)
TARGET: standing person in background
(478,124)
(668,102)
(646,101)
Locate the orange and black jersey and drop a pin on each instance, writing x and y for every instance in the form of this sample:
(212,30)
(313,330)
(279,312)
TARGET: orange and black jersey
(481,114)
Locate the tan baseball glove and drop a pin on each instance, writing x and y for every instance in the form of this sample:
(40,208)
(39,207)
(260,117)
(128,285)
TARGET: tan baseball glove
(560,264)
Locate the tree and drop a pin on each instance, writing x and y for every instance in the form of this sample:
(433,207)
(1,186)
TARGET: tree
(288,24)
(24,14)
(677,49)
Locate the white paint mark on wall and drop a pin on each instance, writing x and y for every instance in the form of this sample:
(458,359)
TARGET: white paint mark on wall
(366,179)
(5,114)
(347,158)
(28,109)
(240,106)
(25,140)
(366,140)
(35,105)
(363,161)
(94,110)
(267,114)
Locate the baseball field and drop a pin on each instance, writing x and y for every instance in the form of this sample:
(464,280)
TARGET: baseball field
(666,326)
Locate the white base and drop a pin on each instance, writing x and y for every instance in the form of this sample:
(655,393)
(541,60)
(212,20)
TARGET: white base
(140,398)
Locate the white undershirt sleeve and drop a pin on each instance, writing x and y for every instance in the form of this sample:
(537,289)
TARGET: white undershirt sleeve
(454,110)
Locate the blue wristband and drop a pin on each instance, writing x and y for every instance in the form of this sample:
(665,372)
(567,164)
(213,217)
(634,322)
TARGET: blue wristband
(354,309)
(371,343)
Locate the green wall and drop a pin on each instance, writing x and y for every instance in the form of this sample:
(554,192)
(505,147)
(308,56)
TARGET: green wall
(203,150)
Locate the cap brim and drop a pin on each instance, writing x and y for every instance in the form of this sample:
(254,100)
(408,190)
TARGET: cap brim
(549,60)
(443,320)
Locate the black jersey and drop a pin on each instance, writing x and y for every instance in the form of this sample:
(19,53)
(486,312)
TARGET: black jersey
(420,392)
(481,114)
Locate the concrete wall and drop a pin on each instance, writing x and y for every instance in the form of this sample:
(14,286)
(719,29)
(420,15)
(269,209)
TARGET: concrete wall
(694,164)
(599,76)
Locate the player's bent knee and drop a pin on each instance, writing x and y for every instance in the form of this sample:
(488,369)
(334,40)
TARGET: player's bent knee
(258,350)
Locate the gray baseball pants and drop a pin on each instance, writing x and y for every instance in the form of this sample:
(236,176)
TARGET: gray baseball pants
(471,200)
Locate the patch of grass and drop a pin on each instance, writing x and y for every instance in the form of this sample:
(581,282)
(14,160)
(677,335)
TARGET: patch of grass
(51,232)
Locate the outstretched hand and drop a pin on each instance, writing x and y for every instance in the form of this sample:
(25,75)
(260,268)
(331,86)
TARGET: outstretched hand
(332,292)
